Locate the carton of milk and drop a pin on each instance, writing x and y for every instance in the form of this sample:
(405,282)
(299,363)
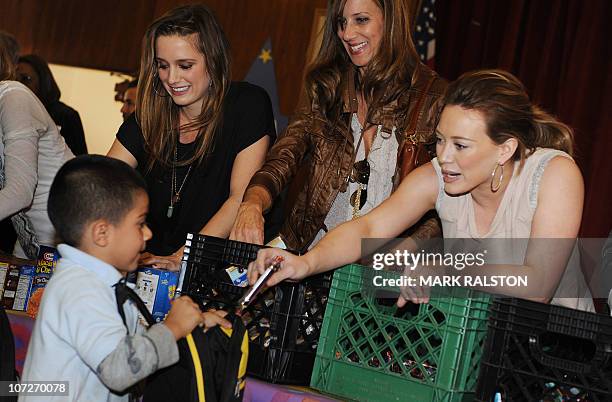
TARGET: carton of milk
(156,288)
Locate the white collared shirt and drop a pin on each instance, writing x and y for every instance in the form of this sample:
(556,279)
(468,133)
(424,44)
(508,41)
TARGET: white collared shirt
(78,325)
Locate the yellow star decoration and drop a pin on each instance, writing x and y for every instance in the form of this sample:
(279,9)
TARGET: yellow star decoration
(266,55)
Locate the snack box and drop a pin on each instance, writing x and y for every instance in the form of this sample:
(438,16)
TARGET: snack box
(156,288)
(45,265)
(15,283)
(3,270)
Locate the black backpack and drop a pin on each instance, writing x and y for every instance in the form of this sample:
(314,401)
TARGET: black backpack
(211,367)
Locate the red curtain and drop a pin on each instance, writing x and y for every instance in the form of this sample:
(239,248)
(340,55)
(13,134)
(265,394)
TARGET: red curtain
(560,49)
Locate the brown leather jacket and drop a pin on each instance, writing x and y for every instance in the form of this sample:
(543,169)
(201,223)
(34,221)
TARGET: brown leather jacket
(331,154)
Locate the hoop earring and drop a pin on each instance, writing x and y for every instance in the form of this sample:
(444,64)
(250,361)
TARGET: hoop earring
(501,178)
(156,89)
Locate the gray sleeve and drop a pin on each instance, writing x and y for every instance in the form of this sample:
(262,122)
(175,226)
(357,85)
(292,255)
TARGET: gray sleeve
(138,356)
(22,121)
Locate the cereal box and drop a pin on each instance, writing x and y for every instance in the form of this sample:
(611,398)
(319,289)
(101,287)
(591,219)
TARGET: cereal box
(156,288)
(10,286)
(3,270)
(45,264)
(23,290)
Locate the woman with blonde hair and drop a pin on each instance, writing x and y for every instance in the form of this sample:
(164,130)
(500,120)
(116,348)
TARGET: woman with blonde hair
(196,137)
(366,100)
(503,171)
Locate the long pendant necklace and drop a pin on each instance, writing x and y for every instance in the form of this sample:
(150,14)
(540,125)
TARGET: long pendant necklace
(175,195)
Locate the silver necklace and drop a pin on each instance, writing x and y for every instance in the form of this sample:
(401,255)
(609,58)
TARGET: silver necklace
(175,195)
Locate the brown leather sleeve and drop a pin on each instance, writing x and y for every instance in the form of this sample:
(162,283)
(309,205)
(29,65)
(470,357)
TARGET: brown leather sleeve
(285,157)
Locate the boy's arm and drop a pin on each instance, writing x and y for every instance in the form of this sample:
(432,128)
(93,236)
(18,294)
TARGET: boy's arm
(138,356)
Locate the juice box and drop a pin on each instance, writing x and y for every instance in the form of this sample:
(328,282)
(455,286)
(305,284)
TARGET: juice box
(156,288)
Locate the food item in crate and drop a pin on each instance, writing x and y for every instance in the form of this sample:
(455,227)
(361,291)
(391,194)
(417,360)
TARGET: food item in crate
(267,339)
(254,290)
(563,393)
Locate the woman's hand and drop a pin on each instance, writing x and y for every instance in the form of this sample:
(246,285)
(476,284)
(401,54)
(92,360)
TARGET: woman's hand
(293,267)
(416,294)
(170,262)
(249,224)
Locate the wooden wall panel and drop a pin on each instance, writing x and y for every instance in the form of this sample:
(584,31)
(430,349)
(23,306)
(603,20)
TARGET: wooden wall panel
(20,17)
(248,24)
(107,34)
(96,34)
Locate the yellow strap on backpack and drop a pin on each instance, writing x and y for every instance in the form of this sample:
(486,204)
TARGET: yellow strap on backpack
(197,365)
(195,357)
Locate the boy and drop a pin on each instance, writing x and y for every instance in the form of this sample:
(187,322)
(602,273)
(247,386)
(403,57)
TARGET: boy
(98,206)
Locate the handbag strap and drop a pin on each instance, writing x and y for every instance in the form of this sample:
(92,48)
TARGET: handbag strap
(418,109)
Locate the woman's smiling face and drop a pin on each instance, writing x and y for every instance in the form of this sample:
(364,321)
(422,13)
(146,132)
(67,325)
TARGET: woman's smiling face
(360,28)
(182,70)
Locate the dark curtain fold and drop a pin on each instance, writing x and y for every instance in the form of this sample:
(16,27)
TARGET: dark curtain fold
(560,49)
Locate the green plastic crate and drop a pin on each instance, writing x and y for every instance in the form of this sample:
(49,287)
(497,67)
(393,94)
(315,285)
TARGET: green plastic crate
(430,352)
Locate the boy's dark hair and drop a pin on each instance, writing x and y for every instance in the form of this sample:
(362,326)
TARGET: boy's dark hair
(91,187)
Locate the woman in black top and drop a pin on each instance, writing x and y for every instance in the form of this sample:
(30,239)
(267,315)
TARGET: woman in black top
(196,137)
(33,71)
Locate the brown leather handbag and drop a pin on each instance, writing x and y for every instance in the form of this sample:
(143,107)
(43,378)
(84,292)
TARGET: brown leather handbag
(414,153)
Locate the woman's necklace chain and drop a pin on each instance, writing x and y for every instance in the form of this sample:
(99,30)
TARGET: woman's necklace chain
(175,194)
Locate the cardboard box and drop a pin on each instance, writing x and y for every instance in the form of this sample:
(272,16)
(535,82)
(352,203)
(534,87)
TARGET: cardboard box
(45,265)
(24,287)
(16,283)
(3,270)
(156,288)
(10,286)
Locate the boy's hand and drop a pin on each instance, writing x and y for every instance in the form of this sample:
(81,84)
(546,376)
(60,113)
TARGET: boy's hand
(183,317)
(213,317)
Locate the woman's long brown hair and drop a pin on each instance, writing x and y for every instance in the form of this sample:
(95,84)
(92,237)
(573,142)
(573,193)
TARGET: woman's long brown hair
(508,112)
(157,115)
(384,78)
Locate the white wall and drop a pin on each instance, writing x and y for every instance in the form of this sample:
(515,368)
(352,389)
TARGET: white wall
(92,94)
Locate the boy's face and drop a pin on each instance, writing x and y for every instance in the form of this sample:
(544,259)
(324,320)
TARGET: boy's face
(129,236)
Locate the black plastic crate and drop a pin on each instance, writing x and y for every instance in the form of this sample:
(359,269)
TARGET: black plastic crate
(206,258)
(283,323)
(540,352)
